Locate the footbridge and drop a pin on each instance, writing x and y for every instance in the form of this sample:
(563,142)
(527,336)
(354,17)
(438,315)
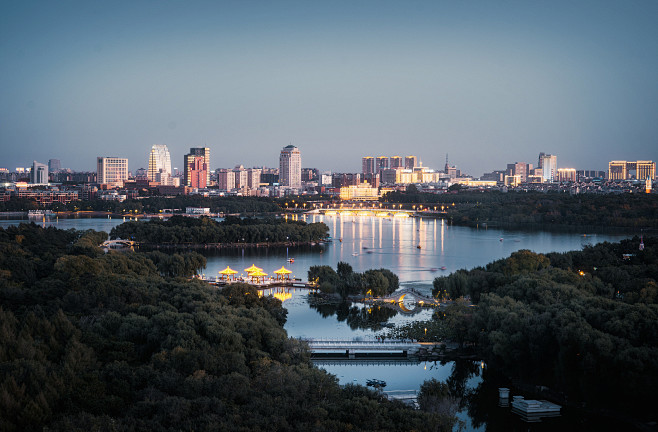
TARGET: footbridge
(118,243)
(396,299)
(351,349)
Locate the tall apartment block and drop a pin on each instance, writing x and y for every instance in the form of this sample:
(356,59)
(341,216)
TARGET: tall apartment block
(290,167)
(381,163)
(205,153)
(196,171)
(410,162)
(111,171)
(395,162)
(368,165)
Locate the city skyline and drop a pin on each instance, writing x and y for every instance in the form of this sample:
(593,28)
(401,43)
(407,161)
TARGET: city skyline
(487,83)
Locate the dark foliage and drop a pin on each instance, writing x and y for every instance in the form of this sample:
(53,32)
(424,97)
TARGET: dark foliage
(187,230)
(584,323)
(93,341)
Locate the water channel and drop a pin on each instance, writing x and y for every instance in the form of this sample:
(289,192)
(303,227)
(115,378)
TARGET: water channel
(417,250)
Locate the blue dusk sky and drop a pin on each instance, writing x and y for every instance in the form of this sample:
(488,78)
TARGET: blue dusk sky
(489,82)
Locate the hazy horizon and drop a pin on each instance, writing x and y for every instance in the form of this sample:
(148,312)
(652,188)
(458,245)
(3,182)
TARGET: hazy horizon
(489,83)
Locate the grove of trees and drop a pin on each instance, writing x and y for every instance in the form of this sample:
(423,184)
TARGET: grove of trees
(187,230)
(116,342)
(584,323)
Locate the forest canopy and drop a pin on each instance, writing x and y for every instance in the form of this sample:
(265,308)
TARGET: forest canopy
(110,341)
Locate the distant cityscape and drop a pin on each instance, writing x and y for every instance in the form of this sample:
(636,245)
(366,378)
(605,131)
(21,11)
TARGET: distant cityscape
(112,180)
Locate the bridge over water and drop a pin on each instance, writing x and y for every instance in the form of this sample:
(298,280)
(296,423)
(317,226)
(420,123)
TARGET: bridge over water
(118,243)
(396,300)
(351,349)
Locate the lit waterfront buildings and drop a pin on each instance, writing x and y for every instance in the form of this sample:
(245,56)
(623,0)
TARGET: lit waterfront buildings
(111,171)
(159,164)
(623,170)
(290,167)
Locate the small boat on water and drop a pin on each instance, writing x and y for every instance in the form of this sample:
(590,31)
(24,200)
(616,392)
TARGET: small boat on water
(291,260)
(354,254)
(418,247)
(444,268)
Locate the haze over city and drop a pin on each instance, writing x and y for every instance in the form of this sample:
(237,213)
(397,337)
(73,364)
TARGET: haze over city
(487,82)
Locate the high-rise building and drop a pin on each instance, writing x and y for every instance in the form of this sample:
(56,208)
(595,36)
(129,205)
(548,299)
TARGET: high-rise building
(205,153)
(368,165)
(290,167)
(521,169)
(395,162)
(54,165)
(410,162)
(39,173)
(623,170)
(159,163)
(381,163)
(241,178)
(253,178)
(226,179)
(195,162)
(548,165)
(111,171)
(196,171)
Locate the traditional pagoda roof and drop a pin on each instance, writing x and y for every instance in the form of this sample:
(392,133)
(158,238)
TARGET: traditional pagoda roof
(228,271)
(252,269)
(282,270)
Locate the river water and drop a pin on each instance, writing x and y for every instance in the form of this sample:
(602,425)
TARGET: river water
(417,250)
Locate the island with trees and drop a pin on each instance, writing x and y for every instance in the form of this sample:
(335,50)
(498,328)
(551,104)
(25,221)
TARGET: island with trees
(232,231)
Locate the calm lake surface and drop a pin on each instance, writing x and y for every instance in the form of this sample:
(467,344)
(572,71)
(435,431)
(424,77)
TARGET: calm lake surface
(416,249)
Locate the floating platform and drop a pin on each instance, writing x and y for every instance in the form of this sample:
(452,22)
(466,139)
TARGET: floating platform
(533,411)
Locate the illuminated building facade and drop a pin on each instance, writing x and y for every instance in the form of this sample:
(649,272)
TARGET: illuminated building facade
(360,192)
(205,153)
(111,171)
(623,170)
(548,166)
(290,167)
(159,164)
(196,172)
(565,175)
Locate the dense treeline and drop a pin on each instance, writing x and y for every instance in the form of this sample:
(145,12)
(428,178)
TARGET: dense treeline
(537,210)
(94,341)
(345,281)
(182,230)
(155,204)
(584,323)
